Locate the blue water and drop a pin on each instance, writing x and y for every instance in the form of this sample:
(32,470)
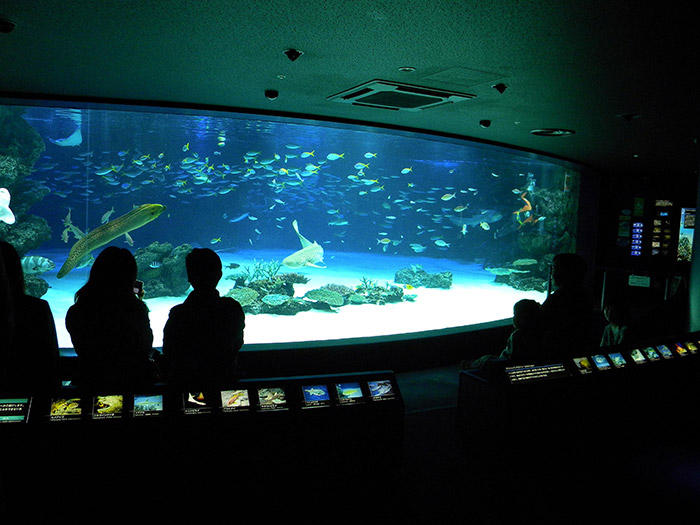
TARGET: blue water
(374,200)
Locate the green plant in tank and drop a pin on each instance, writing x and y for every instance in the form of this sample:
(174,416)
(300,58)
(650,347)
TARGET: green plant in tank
(366,286)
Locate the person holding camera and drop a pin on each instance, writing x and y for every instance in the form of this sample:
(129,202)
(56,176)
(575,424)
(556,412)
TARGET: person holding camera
(110,328)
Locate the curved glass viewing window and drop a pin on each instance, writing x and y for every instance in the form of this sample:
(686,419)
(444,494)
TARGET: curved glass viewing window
(327,231)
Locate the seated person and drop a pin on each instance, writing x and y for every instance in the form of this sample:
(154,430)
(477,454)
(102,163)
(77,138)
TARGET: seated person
(203,335)
(524,343)
(110,328)
(616,331)
(29,347)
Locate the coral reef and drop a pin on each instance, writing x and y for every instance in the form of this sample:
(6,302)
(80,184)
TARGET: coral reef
(326,296)
(20,148)
(416,276)
(162,269)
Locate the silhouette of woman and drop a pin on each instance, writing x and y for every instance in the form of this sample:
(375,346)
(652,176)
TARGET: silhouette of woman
(29,349)
(110,328)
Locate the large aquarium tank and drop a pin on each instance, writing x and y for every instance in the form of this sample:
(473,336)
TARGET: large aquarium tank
(328,232)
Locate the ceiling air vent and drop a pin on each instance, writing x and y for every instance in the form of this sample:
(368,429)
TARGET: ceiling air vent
(386,94)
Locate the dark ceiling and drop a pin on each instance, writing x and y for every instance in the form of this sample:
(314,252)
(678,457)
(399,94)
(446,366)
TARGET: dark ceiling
(621,75)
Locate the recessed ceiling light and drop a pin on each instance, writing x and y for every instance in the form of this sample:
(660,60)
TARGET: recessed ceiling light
(552,132)
(407,69)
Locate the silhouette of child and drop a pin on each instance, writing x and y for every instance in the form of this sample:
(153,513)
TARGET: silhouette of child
(616,331)
(524,342)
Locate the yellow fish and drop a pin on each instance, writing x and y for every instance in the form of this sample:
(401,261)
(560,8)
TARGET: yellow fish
(485,225)
(448,196)
(385,240)
(186,147)
(460,208)
(216,240)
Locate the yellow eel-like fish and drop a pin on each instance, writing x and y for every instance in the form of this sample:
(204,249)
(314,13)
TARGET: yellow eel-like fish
(103,234)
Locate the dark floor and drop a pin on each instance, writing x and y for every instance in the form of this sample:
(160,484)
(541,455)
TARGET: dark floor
(450,475)
(441,474)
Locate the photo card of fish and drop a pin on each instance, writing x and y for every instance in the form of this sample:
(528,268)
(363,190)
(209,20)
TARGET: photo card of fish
(315,396)
(148,405)
(235,400)
(272,398)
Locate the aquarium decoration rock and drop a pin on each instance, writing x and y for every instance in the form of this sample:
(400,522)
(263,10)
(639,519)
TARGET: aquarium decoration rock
(323,295)
(20,147)
(376,294)
(245,296)
(35,286)
(162,269)
(523,282)
(415,276)
(293,277)
(275,299)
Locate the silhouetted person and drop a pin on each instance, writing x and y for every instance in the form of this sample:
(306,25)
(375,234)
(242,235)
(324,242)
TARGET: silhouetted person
(29,347)
(109,327)
(617,330)
(524,344)
(203,335)
(567,314)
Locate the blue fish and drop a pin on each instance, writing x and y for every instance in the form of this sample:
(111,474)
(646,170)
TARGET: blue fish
(240,218)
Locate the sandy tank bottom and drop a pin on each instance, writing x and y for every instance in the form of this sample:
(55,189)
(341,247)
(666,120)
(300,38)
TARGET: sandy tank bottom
(473,298)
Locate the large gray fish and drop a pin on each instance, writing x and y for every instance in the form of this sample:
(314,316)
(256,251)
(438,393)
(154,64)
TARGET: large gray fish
(35,264)
(488,216)
(310,254)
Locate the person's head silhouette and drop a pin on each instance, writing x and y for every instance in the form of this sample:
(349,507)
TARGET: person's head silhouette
(526,314)
(113,272)
(568,270)
(203,268)
(13,269)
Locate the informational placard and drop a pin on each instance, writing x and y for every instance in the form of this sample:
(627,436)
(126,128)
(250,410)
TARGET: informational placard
(65,409)
(315,396)
(528,373)
(637,356)
(680,349)
(651,354)
(664,351)
(349,393)
(196,403)
(686,231)
(235,400)
(148,405)
(617,360)
(583,365)
(381,390)
(15,410)
(107,407)
(601,362)
(271,399)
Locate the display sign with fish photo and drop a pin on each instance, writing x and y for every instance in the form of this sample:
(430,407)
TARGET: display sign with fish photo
(381,390)
(235,400)
(148,405)
(349,393)
(315,396)
(65,409)
(107,407)
(272,399)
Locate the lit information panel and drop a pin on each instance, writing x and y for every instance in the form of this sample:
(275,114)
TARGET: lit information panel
(528,373)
